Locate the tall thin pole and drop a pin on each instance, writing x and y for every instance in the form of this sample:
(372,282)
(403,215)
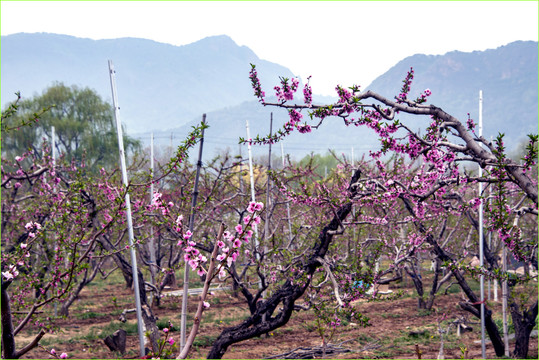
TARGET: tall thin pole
(268,184)
(267,220)
(488,280)
(241,171)
(481,255)
(505,294)
(127,208)
(183,329)
(151,244)
(349,242)
(251,176)
(53,145)
(53,150)
(494,282)
(287,203)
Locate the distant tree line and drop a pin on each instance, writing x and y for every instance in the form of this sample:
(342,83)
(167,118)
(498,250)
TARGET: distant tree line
(85,131)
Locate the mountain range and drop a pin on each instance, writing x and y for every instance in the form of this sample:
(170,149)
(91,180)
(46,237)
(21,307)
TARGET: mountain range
(164,89)
(159,85)
(507,77)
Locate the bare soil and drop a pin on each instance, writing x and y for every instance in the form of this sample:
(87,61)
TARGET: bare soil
(396,326)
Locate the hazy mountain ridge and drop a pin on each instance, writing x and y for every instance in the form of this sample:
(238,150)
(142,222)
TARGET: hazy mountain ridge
(159,85)
(507,75)
(166,89)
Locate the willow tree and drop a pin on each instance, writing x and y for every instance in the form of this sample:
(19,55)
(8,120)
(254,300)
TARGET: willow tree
(83,122)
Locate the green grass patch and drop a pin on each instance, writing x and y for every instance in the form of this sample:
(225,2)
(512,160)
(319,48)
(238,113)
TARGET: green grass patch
(47,341)
(382,355)
(390,315)
(423,312)
(364,338)
(110,328)
(90,315)
(230,320)
(204,340)
(208,318)
(215,301)
(423,336)
(309,326)
(164,323)
(455,288)
(510,326)
(92,335)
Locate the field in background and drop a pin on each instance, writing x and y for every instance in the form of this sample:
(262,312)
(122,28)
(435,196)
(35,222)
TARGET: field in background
(396,326)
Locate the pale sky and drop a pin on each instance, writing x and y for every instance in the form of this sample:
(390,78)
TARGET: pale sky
(349,42)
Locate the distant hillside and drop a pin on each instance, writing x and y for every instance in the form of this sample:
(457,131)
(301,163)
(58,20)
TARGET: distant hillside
(160,86)
(228,125)
(165,88)
(507,75)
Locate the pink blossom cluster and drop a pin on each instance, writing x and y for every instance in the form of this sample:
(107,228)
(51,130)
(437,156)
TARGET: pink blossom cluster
(423,97)
(500,211)
(300,198)
(192,255)
(344,95)
(325,112)
(373,220)
(286,92)
(255,206)
(229,249)
(406,87)
(308,93)
(470,123)
(11,272)
(32,228)
(255,83)
(273,277)
(336,322)
(304,128)
(475,202)
(415,239)
(530,159)
(61,356)
(295,118)
(108,191)
(158,203)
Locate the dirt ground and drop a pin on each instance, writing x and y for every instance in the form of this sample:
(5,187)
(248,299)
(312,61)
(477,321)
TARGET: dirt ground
(396,327)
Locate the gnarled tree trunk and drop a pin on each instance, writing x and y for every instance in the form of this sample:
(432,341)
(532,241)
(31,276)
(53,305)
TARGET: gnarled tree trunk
(147,315)
(524,323)
(8,338)
(287,294)
(474,305)
(9,351)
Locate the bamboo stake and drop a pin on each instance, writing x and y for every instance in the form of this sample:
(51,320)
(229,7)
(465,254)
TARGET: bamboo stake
(151,244)
(251,176)
(505,294)
(287,203)
(268,185)
(191,227)
(481,240)
(127,208)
